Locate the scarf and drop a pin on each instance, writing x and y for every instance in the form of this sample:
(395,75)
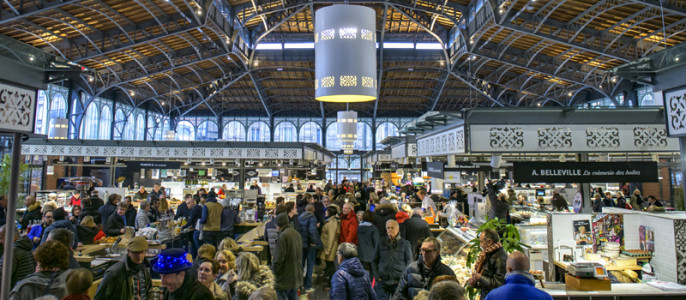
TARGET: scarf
(33,207)
(481,261)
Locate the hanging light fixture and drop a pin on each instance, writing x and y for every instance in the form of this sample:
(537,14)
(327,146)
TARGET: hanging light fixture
(345,54)
(58,129)
(347,130)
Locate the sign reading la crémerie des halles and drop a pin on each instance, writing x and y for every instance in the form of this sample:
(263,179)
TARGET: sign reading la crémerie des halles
(583,172)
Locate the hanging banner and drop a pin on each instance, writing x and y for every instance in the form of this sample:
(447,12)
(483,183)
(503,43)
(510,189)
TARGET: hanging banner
(584,172)
(434,169)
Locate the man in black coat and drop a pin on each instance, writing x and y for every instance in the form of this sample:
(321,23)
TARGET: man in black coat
(415,230)
(391,256)
(116,222)
(420,274)
(382,213)
(109,208)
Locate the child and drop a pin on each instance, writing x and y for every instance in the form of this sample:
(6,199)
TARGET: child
(78,283)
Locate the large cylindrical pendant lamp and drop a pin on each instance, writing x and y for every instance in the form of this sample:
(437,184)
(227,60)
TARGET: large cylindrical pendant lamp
(347,130)
(345,54)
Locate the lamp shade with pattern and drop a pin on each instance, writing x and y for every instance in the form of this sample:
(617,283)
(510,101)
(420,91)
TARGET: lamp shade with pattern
(345,54)
(347,130)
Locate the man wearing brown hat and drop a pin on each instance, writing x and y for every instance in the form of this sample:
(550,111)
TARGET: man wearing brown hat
(130,277)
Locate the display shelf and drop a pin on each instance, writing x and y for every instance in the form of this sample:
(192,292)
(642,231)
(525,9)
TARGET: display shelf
(454,250)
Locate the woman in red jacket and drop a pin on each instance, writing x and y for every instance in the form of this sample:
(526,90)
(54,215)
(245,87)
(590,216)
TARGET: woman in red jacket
(348,225)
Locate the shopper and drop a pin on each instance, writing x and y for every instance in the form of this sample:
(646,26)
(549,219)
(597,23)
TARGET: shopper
(292,212)
(154,212)
(32,213)
(607,201)
(328,186)
(130,277)
(172,265)
(270,232)
(368,237)
(287,264)
(109,208)
(60,221)
(142,219)
(489,268)
(91,207)
(597,203)
(79,281)
(637,200)
(519,283)
(211,220)
(252,276)
(351,281)
(382,213)
(348,225)
(75,213)
(226,277)
(87,230)
(50,275)
(652,202)
(447,290)
(130,213)
(184,209)
(621,201)
(196,213)
(206,273)
(65,237)
(290,189)
(310,242)
(141,195)
(330,234)
(116,223)
(229,219)
(559,202)
(36,233)
(420,274)
(23,263)
(156,192)
(499,207)
(415,230)
(392,255)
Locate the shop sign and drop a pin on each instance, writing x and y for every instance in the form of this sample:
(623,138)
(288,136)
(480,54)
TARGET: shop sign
(153,164)
(584,172)
(469,167)
(264,172)
(434,169)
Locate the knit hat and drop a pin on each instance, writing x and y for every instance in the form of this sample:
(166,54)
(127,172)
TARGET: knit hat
(137,244)
(282,220)
(172,261)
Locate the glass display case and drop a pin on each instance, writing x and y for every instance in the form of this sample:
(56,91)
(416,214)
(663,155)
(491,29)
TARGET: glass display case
(535,236)
(454,249)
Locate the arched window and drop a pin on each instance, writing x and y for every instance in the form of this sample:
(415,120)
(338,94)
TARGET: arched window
(648,100)
(129,128)
(165,128)
(105,123)
(119,120)
(258,132)
(90,123)
(234,131)
(310,132)
(185,131)
(152,128)
(41,113)
(342,162)
(355,163)
(364,137)
(58,107)
(140,127)
(285,132)
(332,142)
(383,131)
(207,131)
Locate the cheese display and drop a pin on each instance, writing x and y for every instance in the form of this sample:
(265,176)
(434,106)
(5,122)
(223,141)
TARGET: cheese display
(454,249)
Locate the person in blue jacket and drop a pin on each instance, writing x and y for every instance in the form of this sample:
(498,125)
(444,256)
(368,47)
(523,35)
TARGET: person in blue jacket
(196,214)
(519,283)
(310,242)
(351,281)
(61,221)
(36,233)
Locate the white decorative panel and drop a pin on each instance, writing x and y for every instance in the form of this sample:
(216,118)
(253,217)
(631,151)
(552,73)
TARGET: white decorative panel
(398,151)
(309,154)
(145,152)
(17,109)
(217,152)
(412,150)
(127,151)
(383,157)
(292,153)
(675,108)
(271,153)
(235,153)
(570,138)
(253,153)
(162,152)
(199,152)
(442,143)
(180,152)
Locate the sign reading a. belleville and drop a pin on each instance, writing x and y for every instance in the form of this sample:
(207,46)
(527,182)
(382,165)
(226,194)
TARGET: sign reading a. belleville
(582,172)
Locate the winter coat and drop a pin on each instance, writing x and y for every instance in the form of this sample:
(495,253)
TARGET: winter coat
(32,213)
(118,284)
(191,289)
(142,220)
(114,225)
(607,202)
(368,237)
(308,230)
(636,202)
(287,262)
(330,233)
(493,274)
(66,224)
(270,235)
(227,282)
(383,213)
(391,259)
(300,206)
(598,205)
(320,213)
(348,228)
(87,234)
(23,263)
(182,211)
(415,230)
(35,285)
(518,287)
(217,292)
(559,203)
(106,211)
(351,281)
(263,277)
(499,209)
(196,213)
(91,207)
(229,218)
(621,202)
(414,278)
(130,216)
(36,231)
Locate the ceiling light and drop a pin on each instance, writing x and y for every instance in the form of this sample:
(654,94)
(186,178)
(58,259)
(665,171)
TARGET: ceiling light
(614,79)
(163,103)
(256,63)
(32,58)
(132,93)
(199,12)
(345,57)
(410,69)
(279,69)
(428,46)
(569,93)
(347,130)
(91,78)
(398,45)
(307,45)
(269,46)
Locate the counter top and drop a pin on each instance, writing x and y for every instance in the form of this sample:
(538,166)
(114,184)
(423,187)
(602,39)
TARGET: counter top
(564,265)
(618,289)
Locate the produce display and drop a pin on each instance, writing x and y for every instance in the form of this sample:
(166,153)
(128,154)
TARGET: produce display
(106,240)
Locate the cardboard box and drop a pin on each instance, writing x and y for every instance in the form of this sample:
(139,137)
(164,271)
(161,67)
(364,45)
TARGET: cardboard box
(584,284)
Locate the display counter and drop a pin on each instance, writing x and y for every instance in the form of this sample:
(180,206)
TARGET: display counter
(619,291)
(454,250)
